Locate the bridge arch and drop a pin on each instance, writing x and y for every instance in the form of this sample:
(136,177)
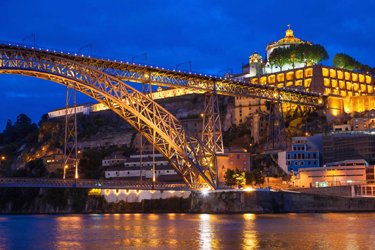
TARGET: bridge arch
(157,125)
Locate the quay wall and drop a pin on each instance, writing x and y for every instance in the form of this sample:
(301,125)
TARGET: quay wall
(55,200)
(276,202)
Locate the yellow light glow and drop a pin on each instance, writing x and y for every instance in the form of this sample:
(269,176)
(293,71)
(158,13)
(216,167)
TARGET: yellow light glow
(204,191)
(249,216)
(95,192)
(249,189)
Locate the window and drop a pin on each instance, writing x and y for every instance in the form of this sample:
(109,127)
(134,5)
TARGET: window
(238,157)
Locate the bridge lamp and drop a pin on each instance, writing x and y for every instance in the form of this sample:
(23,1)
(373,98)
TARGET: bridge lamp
(2,158)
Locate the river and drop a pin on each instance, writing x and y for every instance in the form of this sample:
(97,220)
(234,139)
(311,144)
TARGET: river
(189,231)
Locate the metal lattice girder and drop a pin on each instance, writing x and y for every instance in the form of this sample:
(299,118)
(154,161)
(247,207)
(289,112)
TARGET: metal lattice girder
(173,79)
(154,122)
(211,134)
(70,137)
(212,137)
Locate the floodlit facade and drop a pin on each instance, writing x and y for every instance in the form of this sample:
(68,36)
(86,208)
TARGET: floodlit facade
(232,159)
(334,174)
(303,154)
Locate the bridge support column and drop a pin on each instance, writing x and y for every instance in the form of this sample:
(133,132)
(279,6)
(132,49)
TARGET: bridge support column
(212,136)
(276,127)
(70,139)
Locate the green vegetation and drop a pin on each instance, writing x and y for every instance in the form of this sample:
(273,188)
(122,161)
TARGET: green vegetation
(239,178)
(16,135)
(345,61)
(302,53)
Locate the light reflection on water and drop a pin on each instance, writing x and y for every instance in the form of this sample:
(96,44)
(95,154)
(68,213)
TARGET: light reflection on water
(188,231)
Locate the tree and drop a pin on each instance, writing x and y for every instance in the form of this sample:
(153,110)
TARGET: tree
(229,180)
(255,177)
(235,178)
(240,179)
(345,61)
(312,54)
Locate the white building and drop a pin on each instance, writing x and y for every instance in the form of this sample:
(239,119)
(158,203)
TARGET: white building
(135,168)
(115,159)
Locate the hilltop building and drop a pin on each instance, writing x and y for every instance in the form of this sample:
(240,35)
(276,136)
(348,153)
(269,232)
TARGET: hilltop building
(348,91)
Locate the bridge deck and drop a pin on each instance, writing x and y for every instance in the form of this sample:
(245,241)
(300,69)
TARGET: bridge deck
(82,183)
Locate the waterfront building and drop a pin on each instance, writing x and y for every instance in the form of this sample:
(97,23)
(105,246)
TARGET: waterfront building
(114,159)
(141,166)
(304,153)
(341,173)
(339,146)
(233,158)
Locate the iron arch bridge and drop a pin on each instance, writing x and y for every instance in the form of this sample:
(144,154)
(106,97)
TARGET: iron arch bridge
(105,81)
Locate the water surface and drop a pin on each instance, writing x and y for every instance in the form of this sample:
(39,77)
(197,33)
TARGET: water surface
(188,231)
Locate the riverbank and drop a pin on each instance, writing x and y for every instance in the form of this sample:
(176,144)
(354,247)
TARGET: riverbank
(60,201)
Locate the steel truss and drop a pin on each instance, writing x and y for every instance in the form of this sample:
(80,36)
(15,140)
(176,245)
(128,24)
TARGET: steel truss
(104,80)
(174,79)
(155,123)
(70,136)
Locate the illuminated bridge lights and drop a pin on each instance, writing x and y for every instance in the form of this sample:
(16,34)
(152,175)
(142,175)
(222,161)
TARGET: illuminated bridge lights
(106,82)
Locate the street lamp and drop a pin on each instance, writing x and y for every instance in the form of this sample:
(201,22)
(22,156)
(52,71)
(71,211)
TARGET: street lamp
(2,158)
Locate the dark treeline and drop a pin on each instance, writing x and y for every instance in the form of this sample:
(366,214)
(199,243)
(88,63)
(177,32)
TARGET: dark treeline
(345,61)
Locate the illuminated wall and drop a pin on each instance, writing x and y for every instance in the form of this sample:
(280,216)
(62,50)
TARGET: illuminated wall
(346,83)
(348,91)
(298,78)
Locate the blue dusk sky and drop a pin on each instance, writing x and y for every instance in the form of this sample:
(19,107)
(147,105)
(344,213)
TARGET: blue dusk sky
(214,35)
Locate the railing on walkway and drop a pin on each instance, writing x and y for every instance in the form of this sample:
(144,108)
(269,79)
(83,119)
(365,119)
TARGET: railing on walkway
(364,190)
(89,183)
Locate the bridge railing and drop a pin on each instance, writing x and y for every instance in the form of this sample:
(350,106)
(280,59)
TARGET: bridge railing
(89,183)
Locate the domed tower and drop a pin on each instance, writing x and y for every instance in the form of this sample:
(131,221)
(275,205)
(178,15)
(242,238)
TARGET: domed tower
(255,64)
(285,42)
